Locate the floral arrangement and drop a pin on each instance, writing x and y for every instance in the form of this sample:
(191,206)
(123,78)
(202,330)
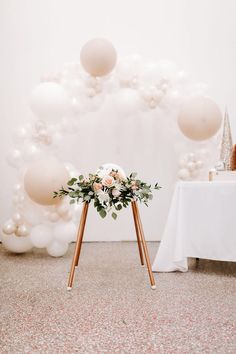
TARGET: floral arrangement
(110,191)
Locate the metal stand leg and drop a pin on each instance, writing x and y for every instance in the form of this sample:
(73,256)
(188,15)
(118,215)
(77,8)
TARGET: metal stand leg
(145,249)
(137,234)
(78,245)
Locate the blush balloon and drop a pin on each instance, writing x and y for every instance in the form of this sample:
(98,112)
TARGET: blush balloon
(98,57)
(199,118)
(43,178)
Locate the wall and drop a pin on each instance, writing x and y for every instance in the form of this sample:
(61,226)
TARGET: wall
(39,36)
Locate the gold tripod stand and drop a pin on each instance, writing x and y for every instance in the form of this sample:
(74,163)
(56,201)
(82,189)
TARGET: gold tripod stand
(142,246)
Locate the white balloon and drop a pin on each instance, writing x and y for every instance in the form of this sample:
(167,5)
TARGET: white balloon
(191,166)
(33,214)
(54,217)
(184,174)
(151,74)
(49,101)
(17,217)
(41,236)
(57,249)
(128,70)
(63,208)
(73,172)
(20,135)
(67,216)
(127,101)
(77,209)
(32,152)
(181,77)
(14,158)
(9,227)
(194,173)
(65,232)
(16,244)
(199,164)
(182,162)
(192,156)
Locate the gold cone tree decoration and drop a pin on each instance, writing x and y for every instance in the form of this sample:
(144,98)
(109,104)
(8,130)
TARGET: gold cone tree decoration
(226,143)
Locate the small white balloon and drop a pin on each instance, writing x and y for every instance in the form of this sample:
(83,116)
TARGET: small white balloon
(33,214)
(41,236)
(16,244)
(127,101)
(20,135)
(9,227)
(49,101)
(17,217)
(184,174)
(53,217)
(182,162)
(67,216)
(65,232)
(194,173)
(14,158)
(63,208)
(192,156)
(57,249)
(32,152)
(199,164)
(191,166)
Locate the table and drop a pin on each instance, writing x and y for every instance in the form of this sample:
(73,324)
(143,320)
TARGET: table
(201,224)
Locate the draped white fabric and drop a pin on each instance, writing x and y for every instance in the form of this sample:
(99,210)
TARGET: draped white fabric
(201,224)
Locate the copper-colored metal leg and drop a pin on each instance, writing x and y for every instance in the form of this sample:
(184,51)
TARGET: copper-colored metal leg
(145,249)
(138,235)
(78,245)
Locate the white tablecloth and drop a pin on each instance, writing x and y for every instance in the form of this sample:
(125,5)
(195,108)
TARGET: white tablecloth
(201,224)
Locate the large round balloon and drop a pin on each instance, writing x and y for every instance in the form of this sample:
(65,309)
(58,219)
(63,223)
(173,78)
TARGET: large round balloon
(49,101)
(16,244)
(98,57)
(41,236)
(199,118)
(57,249)
(43,178)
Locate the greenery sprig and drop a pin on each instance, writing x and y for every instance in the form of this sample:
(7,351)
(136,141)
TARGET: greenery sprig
(110,191)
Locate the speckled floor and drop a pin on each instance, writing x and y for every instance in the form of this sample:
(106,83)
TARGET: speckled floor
(111,308)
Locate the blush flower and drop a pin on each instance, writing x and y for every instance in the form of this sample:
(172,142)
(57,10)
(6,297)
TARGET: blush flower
(97,186)
(108,181)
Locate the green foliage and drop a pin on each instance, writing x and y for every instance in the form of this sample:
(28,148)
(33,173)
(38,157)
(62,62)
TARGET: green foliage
(113,196)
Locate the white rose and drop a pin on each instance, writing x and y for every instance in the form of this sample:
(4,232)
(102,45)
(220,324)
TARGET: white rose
(103,197)
(116,193)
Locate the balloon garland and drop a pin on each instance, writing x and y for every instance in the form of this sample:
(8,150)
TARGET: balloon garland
(40,221)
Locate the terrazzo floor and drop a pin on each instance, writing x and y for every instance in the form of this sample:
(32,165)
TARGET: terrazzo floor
(111,308)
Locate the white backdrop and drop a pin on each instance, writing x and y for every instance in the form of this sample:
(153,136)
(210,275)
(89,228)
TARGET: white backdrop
(40,36)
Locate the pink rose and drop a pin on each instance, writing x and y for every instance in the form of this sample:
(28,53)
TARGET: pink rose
(108,181)
(97,186)
(116,193)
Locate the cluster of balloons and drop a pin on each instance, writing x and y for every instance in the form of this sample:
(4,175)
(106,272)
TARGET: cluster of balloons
(190,166)
(132,84)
